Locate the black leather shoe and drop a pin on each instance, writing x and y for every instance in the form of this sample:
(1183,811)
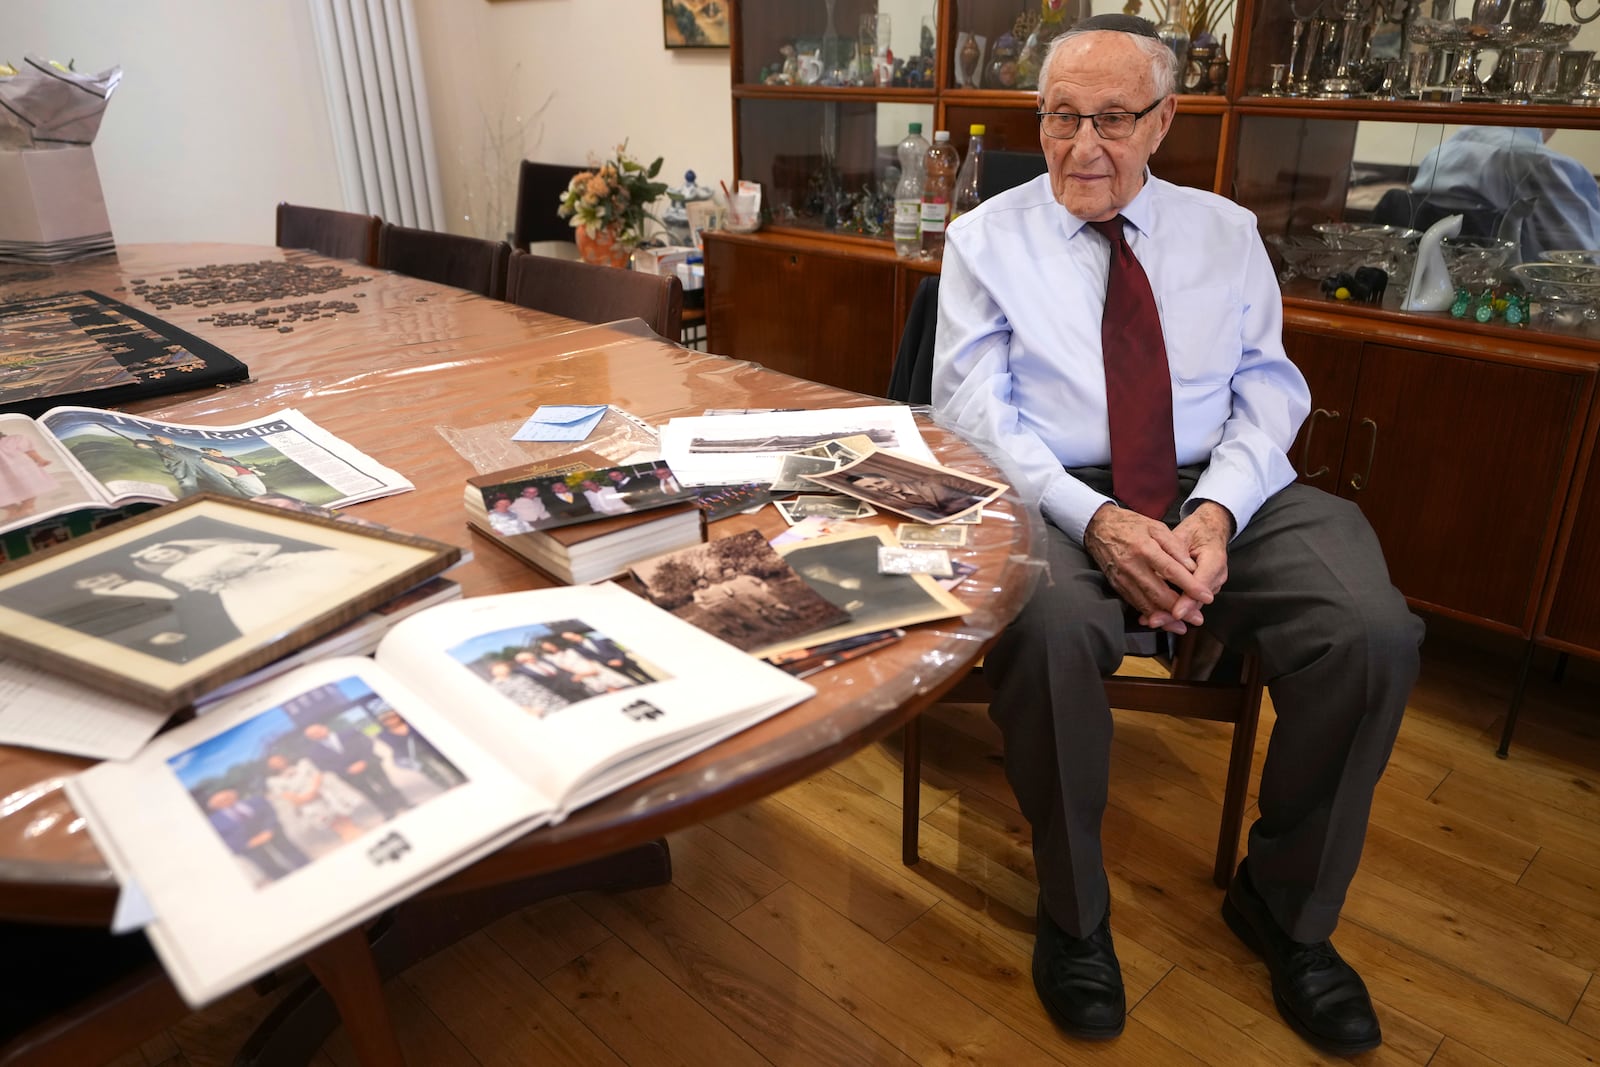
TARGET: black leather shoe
(1078,979)
(1317,993)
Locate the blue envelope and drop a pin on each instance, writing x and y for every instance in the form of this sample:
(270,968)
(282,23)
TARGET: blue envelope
(561,422)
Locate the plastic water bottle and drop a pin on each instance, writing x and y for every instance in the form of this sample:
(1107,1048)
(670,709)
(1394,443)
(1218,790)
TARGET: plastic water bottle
(967,196)
(908,194)
(938,186)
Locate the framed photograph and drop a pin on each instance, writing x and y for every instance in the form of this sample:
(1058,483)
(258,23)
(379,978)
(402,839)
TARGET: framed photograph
(695,23)
(166,606)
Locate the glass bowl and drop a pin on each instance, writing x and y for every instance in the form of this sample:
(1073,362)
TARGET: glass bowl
(1475,261)
(1305,256)
(1359,235)
(1564,291)
(1583,257)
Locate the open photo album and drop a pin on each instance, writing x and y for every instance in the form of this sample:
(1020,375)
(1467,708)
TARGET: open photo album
(319,798)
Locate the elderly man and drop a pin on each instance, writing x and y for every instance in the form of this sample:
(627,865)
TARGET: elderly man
(1120,339)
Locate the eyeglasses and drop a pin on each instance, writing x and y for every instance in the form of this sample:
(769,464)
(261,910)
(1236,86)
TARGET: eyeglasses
(1110,125)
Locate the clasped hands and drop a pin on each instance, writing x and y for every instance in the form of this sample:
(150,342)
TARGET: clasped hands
(1167,576)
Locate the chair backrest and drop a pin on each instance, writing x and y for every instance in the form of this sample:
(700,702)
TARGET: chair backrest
(1403,207)
(539,189)
(449,259)
(336,234)
(911,380)
(589,293)
(1005,170)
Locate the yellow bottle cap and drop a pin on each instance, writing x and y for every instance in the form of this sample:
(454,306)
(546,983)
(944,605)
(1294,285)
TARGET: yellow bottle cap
(978,129)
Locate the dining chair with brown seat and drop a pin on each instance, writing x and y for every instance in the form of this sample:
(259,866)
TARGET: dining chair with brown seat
(596,294)
(471,263)
(1203,682)
(335,234)
(539,189)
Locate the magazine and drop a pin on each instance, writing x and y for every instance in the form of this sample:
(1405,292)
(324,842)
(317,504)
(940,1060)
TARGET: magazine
(302,807)
(70,458)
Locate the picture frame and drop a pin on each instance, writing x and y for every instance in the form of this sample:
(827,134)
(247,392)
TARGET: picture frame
(694,23)
(166,606)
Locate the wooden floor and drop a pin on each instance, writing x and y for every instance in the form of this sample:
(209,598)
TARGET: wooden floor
(792,934)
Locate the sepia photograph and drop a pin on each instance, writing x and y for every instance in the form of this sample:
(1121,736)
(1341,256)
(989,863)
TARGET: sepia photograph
(844,570)
(695,23)
(930,494)
(739,589)
(169,604)
(301,780)
(546,667)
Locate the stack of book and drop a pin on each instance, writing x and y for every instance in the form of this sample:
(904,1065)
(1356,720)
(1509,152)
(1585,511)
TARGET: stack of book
(581,520)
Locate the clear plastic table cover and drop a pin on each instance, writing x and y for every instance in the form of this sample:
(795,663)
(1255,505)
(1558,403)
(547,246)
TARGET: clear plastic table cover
(431,381)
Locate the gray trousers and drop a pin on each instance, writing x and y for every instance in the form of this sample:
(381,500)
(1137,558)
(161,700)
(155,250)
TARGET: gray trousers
(1308,592)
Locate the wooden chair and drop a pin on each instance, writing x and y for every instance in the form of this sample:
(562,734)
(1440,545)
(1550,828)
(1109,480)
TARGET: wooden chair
(336,234)
(539,189)
(465,262)
(596,294)
(1201,685)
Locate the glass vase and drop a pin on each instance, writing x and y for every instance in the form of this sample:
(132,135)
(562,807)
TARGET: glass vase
(1175,35)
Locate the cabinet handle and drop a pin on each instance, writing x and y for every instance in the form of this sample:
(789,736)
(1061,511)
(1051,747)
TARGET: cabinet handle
(1359,481)
(1305,446)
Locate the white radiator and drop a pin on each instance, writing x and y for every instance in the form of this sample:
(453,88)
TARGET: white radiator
(378,103)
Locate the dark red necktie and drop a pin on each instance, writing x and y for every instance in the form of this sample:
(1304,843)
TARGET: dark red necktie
(1144,461)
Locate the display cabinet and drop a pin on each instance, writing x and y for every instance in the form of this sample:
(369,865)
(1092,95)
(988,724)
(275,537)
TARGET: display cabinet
(1469,445)
(823,91)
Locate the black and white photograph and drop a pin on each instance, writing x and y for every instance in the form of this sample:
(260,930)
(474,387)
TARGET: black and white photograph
(843,569)
(928,493)
(793,468)
(166,605)
(546,667)
(739,589)
(823,507)
(308,777)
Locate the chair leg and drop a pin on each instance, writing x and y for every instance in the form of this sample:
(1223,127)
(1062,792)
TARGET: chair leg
(911,792)
(1237,789)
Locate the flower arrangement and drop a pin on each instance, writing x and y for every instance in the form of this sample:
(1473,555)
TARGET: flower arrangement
(618,191)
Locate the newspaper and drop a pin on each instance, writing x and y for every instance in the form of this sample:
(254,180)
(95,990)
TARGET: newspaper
(73,458)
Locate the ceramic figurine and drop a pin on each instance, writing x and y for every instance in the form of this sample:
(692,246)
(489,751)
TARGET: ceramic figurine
(1003,65)
(1430,288)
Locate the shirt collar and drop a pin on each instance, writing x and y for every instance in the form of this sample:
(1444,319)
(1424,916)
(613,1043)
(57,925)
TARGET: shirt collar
(1140,211)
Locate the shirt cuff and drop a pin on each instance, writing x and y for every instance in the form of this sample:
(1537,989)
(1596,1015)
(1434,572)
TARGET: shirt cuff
(1069,505)
(1240,496)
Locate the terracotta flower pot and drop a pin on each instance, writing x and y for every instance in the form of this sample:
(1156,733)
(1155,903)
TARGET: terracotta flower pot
(603,248)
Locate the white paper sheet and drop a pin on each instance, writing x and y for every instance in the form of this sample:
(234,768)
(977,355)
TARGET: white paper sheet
(40,709)
(736,449)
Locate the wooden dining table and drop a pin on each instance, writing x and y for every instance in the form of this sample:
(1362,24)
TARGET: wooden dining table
(431,381)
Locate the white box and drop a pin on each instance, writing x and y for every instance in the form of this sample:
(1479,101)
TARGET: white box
(662,260)
(51,205)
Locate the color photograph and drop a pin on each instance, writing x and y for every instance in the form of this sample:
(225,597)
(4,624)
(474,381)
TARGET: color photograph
(301,780)
(545,667)
(554,500)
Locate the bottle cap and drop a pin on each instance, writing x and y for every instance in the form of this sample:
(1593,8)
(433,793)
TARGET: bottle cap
(916,127)
(977,129)
(940,136)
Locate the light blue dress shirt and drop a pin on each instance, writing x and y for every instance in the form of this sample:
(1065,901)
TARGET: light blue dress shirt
(1499,165)
(1018,363)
